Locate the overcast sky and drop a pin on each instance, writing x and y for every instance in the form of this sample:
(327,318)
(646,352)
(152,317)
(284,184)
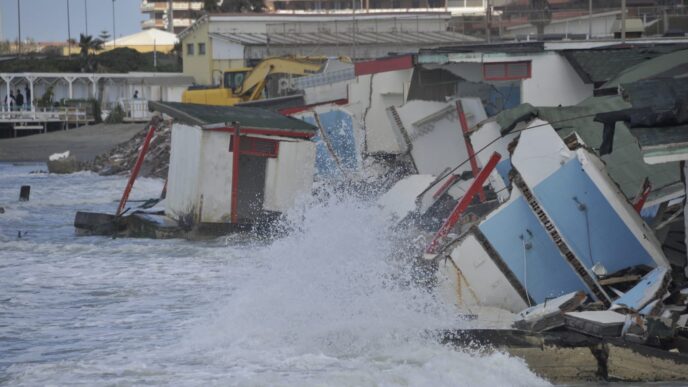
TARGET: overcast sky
(46,20)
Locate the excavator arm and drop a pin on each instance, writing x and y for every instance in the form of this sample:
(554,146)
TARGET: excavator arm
(253,85)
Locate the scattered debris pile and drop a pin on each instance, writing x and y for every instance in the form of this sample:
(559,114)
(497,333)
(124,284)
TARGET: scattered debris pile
(120,160)
(553,252)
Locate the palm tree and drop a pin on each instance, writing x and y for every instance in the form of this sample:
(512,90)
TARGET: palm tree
(234,6)
(88,47)
(211,6)
(242,6)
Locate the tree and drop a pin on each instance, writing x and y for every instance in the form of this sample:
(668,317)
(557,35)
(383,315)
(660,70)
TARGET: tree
(88,46)
(5,47)
(242,6)
(211,6)
(234,6)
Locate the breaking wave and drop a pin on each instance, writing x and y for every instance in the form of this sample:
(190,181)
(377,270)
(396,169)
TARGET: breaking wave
(330,302)
(334,303)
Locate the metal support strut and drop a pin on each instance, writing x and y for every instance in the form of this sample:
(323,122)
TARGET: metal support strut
(137,166)
(461,206)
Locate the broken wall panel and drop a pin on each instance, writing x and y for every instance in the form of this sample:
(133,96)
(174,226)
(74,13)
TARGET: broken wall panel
(651,287)
(290,176)
(527,249)
(435,135)
(339,138)
(401,201)
(481,281)
(183,179)
(594,231)
(215,178)
(595,220)
(369,97)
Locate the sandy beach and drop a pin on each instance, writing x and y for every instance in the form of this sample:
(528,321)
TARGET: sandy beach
(84,143)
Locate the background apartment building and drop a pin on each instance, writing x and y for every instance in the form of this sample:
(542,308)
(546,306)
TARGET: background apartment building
(184,12)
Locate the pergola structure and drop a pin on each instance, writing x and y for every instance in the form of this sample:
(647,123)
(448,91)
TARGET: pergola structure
(92,81)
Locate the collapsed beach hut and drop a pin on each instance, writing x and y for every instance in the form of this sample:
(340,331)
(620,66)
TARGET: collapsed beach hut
(230,169)
(235,166)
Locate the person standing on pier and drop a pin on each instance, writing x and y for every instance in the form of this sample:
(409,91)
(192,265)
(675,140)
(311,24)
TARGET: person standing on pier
(19,99)
(10,103)
(27,92)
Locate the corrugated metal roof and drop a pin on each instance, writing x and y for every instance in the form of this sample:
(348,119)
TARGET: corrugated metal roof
(345,38)
(247,117)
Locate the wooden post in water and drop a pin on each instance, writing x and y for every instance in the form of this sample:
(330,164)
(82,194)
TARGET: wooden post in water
(24,193)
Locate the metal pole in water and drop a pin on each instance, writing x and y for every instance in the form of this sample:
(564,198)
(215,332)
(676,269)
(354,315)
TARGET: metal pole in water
(24,193)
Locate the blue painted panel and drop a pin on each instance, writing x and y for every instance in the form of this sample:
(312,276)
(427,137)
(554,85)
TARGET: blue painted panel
(645,291)
(503,168)
(611,241)
(503,96)
(546,273)
(338,126)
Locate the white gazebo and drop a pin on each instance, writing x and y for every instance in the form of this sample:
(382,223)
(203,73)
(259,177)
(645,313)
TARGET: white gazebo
(145,41)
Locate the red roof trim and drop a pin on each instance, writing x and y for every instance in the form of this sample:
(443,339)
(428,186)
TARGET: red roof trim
(383,65)
(279,133)
(298,109)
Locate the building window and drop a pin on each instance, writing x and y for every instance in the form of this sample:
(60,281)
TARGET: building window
(189,49)
(253,146)
(201,48)
(504,71)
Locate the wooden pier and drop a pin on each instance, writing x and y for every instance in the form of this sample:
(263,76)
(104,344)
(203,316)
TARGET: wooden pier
(38,120)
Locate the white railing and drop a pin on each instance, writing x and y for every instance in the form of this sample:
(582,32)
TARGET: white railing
(152,23)
(135,109)
(177,6)
(61,114)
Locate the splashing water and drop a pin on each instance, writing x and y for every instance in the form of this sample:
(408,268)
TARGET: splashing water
(330,303)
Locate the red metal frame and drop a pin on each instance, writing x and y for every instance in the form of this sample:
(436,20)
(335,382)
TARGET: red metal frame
(445,187)
(298,109)
(640,200)
(135,170)
(506,76)
(248,146)
(265,132)
(235,144)
(469,147)
(383,65)
(464,202)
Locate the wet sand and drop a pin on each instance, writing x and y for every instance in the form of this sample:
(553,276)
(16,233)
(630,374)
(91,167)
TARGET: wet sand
(84,143)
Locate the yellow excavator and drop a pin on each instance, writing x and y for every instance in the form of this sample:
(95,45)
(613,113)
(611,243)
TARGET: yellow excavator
(247,84)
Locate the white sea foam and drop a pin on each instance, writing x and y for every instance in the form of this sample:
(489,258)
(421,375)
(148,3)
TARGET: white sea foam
(329,303)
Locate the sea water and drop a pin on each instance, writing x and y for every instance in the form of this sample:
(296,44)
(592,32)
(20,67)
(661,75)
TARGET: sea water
(324,304)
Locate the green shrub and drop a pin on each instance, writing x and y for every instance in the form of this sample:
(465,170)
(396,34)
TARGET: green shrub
(116,116)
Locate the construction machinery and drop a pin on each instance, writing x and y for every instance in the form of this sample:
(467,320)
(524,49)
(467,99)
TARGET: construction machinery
(248,84)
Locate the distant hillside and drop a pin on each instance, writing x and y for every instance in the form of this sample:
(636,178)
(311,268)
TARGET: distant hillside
(119,60)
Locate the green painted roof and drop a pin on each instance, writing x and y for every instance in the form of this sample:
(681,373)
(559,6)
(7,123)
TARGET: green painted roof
(625,165)
(670,65)
(668,97)
(247,117)
(604,64)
